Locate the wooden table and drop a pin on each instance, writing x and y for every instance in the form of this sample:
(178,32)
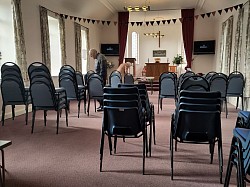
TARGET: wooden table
(3,144)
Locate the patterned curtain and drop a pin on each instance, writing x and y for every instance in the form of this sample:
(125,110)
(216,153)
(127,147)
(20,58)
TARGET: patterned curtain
(45,36)
(62,40)
(88,65)
(222,46)
(19,38)
(247,56)
(78,47)
(227,42)
(238,41)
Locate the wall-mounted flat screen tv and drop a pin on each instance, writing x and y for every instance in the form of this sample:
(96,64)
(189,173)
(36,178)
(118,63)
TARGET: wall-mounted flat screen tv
(110,49)
(204,47)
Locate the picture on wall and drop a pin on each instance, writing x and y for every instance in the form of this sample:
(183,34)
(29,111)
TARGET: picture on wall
(159,53)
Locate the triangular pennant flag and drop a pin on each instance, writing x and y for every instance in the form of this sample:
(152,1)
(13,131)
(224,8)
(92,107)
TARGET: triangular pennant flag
(231,8)
(240,5)
(181,20)
(203,15)
(88,20)
(66,16)
(61,15)
(220,11)
(226,10)
(103,22)
(158,22)
(152,22)
(196,17)
(137,23)
(141,23)
(163,21)
(75,18)
(93,21)
(132,23)
(208,14)
(174,20)
(147,22)
(236,7)
(97,21)
(79,19)
(71,17)
(169,21)
(214,13)
(108,22)
(115,22)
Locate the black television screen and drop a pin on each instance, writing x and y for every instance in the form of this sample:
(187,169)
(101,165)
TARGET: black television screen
(204,47)
(110,49)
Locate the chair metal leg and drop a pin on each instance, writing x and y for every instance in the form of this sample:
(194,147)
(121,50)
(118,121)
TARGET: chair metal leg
(242,103)
(226,106)
(88,106)
(33,119)
(95,104)
(150,137)
(172,155)
(101,149)
(110,145)
(237,103)
(158,105)
(211,150)
(79,103)
(57,121)
(13,111)
(26,113)
(115,144)
(153,125)
(144,150)
(45,117)
(3,168)
(3,114)
(66,113)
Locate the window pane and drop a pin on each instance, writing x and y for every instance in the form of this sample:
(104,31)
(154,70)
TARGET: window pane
(84,50)
(7,41)
(55,46)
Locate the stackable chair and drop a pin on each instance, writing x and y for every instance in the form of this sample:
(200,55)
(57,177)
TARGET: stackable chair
(115,78)
(209,75)
(123,117)
(235,87)
(13,89)
(167,87)
(79,78)
(239,157)
(197,120)
(44,96)
(194,83)
(128,78)
(95,89)
(75,91)
(218,82)
(184,76)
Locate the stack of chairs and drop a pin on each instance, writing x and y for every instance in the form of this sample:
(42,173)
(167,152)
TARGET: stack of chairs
(123,117)
(68,80)
(115,78)
(239,155)
(128,78)
(149,110)
(13,89)
(44,95)
(197,120)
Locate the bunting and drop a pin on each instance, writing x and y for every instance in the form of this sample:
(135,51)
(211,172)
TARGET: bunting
(140,23)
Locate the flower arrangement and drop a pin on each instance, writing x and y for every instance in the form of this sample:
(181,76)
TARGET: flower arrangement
(178,59)
(110,64)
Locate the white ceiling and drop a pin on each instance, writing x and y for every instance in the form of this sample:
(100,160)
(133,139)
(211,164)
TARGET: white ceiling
(106,9)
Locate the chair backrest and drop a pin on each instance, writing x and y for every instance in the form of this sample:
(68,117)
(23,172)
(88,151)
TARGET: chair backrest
(128,78)
(79,78)
(209,75)
(86,76)
(116,112)
(42,94)
(115,72)
(167,84)
(218,82)
(184,76)
(114,80)
(195,83)
(198,122)
(95,86)
(235,84)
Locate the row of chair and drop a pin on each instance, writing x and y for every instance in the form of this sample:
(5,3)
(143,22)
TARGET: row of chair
(170,86)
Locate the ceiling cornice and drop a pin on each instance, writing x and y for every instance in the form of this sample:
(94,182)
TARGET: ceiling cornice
(107,4)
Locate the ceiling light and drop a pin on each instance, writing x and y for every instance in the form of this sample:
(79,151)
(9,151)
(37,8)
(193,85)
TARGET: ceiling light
(137,8)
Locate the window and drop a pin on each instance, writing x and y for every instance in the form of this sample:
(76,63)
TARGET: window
(7,37)
(135,46)
(55,46)
(84,35)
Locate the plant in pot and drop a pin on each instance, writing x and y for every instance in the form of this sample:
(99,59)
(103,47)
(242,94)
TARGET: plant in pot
(178,59)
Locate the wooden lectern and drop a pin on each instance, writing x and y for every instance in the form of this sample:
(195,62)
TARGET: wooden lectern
(132,61)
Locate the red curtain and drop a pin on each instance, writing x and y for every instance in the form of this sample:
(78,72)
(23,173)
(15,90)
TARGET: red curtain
(188,33)
(122,33)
